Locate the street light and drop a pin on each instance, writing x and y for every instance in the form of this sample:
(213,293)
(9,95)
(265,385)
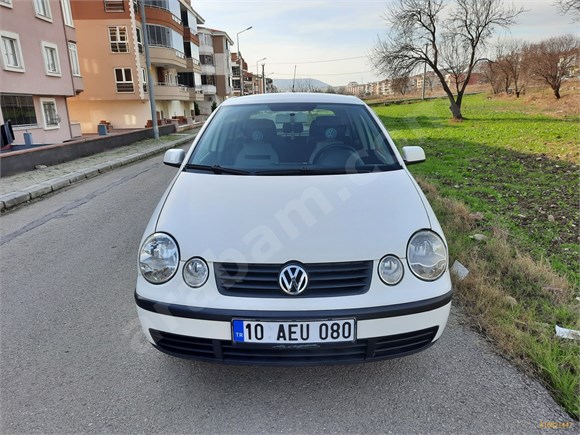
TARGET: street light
(257,69)
(240,59)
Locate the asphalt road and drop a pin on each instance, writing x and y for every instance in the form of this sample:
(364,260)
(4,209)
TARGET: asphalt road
(73,359)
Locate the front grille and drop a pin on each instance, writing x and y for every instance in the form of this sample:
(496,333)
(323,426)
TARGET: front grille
(223,351)
(324,279)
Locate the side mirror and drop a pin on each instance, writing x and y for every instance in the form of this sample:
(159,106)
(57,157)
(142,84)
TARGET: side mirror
(412,155)
(174,157)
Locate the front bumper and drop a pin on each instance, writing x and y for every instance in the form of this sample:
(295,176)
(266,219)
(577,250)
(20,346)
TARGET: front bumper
(206,334)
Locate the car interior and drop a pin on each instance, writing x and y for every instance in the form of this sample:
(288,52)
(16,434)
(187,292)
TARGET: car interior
(257,137)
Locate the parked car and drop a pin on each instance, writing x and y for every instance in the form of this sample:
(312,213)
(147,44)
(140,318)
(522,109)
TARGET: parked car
(293,234)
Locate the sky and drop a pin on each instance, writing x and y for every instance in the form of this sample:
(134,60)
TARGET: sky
(331,40)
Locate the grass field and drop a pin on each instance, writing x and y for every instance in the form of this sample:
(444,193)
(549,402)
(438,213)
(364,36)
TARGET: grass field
(515,168)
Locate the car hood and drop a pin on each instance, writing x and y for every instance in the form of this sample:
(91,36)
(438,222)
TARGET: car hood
(276,219)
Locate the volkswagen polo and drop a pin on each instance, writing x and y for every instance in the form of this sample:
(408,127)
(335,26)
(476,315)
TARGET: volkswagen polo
(293,234)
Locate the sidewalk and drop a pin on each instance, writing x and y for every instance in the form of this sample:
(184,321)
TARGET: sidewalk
(21,188)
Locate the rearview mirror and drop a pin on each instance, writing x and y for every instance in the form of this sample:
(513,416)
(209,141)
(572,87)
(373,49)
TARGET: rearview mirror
(174,157)
(412,155)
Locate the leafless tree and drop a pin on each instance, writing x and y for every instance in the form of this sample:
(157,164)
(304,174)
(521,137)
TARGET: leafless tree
(494,76)
(511,64)
(554,59)
(306,85)
(569,7)
(400,85)
(420,34)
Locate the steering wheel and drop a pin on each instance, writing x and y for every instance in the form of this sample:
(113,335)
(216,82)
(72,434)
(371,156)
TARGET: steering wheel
(337,155)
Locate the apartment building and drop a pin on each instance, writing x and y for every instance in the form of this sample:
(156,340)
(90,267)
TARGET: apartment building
(112,61)
(242,79)
(216,66)
(39,70)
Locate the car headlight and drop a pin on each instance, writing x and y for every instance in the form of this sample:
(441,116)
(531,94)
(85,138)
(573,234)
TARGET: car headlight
(159,258)
(390,270)
(427,255)
(195,272)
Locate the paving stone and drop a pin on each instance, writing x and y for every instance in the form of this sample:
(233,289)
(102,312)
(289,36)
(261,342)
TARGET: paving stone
(104,167)
(15,198)
(91,172)
(117,163)
(76,176)
(39,190)
(60,182)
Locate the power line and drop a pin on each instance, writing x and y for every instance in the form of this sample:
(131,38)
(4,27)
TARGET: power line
(324,74)
(317,61)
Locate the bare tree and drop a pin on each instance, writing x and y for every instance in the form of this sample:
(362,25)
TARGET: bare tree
(510,65)
(494,76)
(514,64)
(420,34)
(571,7)
(400,85)
(554,59)
(306,85)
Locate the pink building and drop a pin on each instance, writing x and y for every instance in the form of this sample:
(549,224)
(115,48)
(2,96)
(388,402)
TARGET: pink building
(39,69)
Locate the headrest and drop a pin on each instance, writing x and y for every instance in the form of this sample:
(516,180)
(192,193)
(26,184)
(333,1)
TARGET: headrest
(259,130)
(328,128)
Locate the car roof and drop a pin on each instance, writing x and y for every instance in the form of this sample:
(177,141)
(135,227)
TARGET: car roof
(293,97)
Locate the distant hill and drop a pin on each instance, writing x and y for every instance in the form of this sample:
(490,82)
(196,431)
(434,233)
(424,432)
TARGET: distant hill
(301,85)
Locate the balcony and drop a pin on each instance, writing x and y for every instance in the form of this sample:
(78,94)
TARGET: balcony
(208,70)
(167,56)
(205,49)
(193,64)
(209,89)
(195,94)
(171,92)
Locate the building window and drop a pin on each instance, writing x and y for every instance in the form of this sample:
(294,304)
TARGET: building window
(162,36)
(66,12)
(114,5)
(139,40)
(119,39)
(49,113)
(74,59)
(7,3)
(207,80)
(42,8)
(205,39)
(51,61)
(144,78)
(19,109)
(124,80)
(206,59)
(12,59)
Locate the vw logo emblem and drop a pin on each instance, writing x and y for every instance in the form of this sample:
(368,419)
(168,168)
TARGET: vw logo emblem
(257,136)
(331,133)
(293,279)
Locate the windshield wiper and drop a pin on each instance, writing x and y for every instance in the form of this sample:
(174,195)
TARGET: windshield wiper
(217,169)
(302,171)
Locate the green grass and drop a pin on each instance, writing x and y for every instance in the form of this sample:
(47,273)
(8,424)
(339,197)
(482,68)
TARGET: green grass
(517,167)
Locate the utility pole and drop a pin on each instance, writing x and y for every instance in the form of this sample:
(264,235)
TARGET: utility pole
(263,80)
(149,78)
(258,74)
(240,60)
(294,80)
(424,72)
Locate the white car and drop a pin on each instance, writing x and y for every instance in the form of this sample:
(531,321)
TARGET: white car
(293,234)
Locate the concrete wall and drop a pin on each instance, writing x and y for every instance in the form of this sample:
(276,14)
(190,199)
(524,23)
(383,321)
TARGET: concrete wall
(25,160)
(121,114)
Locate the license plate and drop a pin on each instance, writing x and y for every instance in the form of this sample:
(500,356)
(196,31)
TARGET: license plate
(317,331)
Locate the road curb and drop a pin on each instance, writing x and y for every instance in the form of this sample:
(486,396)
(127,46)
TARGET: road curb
(23,196)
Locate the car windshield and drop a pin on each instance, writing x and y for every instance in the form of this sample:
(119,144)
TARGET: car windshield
(292,139)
